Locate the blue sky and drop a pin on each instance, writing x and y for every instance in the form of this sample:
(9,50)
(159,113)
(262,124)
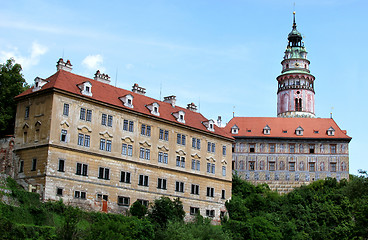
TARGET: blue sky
(221,55)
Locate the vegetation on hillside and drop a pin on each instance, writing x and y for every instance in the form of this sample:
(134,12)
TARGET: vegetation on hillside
(325,209)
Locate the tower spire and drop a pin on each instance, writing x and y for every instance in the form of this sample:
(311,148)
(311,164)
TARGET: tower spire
(294,23)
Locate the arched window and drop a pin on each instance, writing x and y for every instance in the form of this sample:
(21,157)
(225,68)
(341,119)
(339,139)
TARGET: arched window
(298,104)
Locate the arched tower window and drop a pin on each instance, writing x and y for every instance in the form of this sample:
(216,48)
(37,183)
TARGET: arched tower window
(298,104)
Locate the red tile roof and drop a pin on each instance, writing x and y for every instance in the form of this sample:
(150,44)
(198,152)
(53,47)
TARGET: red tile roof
(285,127)
(107,93)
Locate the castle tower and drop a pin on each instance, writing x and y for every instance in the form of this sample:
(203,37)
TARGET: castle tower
(295,94)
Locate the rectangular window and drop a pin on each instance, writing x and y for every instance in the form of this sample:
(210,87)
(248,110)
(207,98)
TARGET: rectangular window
(143,202)
(213,147)
(87,140)
(224,171)
(195,189)
(312,167)
(103,119)
(125,177)
(178,138)
(224,150)
(148,154)
(125,125)
(210,213)
(332,148)
(124,149)
(66,109)
(109,121)
(108,145)
(292,166)
(148,131)
(213,168)
(272,148)
(194,142)
(198,143)
(34,164)
(166,136)
(210,192)
(131,126)
(130,150)
(160,157)
(63,135)
(141,153)
(209,167)
(123,201)
(198,167)
(311,148)
(161,183)
(26,112)
(80,139)
(179,186)
(143,180)
(89,115)
(104,173)
(333,167)
(193,164)
(194,210)
(183,139)
(223,194)
(59,191)
(143,129)
(178,161)
(102,144)
(292,148)
(161,134)
(166,158)
(82,115)
(252,148)
(271,166)
(61,167)
(82,169)
(252,166)
(79,194)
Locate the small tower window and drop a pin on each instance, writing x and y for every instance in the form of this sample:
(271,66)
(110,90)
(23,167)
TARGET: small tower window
(298,104)
(234,129)
(331,131)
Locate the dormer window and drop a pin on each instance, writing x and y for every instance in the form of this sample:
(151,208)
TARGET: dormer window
(234,129)
(86,88)
(209,125)
(154,108)
(331,131)
(266,130)
(39,82)
(299,131)
(127,100)
(179,116)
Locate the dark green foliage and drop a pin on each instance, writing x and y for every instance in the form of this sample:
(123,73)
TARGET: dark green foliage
(12,84)
(138,209)
(325,209)
(165,210)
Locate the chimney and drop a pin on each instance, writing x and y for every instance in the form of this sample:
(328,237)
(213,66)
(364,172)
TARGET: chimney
(66,66)
(137,89)
(170,99)
(102,77)
(219,121)
(192,107)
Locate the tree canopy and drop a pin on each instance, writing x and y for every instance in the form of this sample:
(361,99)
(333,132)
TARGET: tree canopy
(12,83)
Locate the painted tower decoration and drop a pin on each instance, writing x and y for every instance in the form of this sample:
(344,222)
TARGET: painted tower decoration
(295,95)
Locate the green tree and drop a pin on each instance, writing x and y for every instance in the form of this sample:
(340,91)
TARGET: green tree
(12,83)
(138,209)
(165,210)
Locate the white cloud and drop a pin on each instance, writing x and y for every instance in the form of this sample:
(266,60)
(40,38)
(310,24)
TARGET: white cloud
(94,62)
(36,51)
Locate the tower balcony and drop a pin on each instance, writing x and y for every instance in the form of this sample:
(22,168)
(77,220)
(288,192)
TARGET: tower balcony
(295,87)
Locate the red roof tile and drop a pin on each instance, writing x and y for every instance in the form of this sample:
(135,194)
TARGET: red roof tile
(107,93)
(285,127)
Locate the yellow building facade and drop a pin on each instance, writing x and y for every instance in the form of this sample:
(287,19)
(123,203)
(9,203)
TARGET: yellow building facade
(101,147)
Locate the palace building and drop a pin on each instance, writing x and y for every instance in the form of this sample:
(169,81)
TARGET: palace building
(295,147)
(92,144)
